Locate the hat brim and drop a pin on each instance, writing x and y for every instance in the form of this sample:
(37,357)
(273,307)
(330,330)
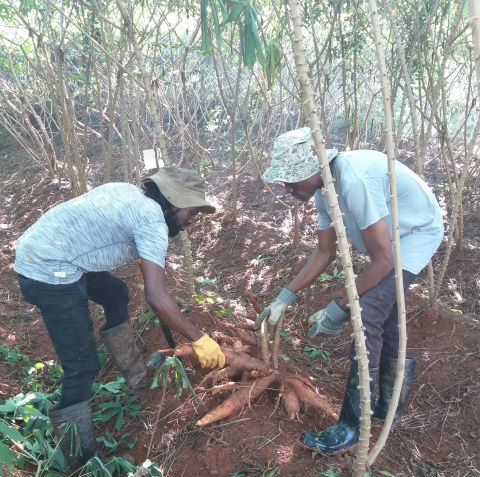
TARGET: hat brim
(277,174)
(181,197)
(292,167)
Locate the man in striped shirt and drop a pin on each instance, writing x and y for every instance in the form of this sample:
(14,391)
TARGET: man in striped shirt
(62,261)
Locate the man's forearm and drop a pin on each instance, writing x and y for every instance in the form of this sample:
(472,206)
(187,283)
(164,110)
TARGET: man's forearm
(169,313)
(316,264)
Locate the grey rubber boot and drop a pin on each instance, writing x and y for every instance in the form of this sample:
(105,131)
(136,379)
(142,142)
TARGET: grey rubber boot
(388,372)
(125,353)
(73,425)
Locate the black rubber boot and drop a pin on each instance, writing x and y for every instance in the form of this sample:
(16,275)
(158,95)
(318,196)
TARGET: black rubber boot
(347,430)
(125,353)
(73,425)
(388,371)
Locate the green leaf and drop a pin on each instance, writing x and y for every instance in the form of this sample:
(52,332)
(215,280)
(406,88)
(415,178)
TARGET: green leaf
(181,377)
(249,53)
(225,312)
(11,432)
(148,315)
(330,473)
(385,472)
(9,406)
(6,456)
(207,45)
(206,281)
(75,77)
(152,469)
(112,387)
(205,299)
(312,352)
(256,26)
(234,14)
(5,12)
(216,22)
(119,420)
(273,59)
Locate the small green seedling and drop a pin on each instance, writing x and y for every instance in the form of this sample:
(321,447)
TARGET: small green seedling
(114,466)
(181,378)
(149,469)
(206,281)
(336,274)
(118,410)
(33,371)
(54,370)
(111,388)
(259,261)
(113,444)
(285,337)
(12,355)
(149,316)
(312,352)
(226,312)
(210,300)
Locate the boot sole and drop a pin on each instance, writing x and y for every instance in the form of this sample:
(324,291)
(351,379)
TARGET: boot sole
(351,449)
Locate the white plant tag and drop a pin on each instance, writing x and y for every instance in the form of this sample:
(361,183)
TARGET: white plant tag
(149,159)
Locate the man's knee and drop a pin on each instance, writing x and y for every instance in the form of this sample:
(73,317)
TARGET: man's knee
(121,296)
(107,290)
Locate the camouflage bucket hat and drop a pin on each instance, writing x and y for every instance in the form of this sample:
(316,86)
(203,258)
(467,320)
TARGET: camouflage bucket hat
(293,159)
(182,188)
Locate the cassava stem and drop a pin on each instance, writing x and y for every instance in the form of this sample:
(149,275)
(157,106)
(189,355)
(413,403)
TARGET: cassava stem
(389,141)
(308,106)
(263,330)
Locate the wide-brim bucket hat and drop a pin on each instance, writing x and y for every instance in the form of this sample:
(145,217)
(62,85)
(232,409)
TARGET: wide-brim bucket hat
(293,159)
(182,188)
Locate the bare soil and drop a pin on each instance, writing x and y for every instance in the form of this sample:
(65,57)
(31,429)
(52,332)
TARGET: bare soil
(439,433)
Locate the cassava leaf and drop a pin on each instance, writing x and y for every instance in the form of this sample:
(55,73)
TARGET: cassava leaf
(11,432)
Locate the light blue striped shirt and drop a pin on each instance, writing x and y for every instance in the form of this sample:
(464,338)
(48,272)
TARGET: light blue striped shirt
(98,231)
(362,185)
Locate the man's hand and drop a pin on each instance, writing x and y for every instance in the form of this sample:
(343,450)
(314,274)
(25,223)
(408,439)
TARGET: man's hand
(328,321)
(276,309)
(208,352)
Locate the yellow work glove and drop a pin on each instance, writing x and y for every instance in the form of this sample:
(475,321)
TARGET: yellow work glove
(208,352)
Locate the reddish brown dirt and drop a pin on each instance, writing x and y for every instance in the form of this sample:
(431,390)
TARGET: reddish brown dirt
(438,435)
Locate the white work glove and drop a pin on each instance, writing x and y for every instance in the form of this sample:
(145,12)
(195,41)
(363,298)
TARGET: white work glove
(328,321)
(276,309)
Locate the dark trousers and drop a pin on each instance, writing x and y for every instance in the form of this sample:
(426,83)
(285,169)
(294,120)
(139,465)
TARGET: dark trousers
(64,309)
(380,318)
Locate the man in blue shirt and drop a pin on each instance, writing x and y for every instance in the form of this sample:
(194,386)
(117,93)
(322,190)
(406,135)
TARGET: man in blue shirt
(362,186)
(63,260)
